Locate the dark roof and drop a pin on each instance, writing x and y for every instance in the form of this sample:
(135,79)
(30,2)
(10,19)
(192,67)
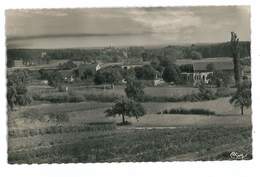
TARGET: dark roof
(190,61)
(218,65)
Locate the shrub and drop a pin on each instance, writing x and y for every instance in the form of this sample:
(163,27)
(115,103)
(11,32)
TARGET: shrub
(135,90)
(195,55)
(74,98)
(33,114)
(188,111)
(56,98)
(59,117)
(61,88)
(23,100)
(171,73)
(146,72)
(224,92)
(95,126)
(67,65)
(206,93)
(101,97)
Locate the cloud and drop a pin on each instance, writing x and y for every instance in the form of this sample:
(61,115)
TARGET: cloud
(161,24)
(165,20)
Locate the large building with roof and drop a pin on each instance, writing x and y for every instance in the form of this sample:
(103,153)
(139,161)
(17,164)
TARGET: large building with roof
(202,69)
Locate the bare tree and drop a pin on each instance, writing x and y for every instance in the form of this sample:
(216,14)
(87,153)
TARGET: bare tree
(234,42)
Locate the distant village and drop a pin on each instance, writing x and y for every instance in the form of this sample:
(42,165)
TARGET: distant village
(192,71)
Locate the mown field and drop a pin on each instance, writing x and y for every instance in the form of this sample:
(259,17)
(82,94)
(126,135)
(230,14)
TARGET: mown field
(36,135)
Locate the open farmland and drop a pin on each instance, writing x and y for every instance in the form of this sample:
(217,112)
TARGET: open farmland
(71,141)
(99,92)
(119,90)
(85,89)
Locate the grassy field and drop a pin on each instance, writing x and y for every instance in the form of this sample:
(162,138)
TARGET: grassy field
(141,145)
(89,136)
(97,93)
(85,112)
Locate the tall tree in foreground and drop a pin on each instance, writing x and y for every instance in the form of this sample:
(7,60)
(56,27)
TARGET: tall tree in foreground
(17,93)
(235,50)
(242,97)
(126,107)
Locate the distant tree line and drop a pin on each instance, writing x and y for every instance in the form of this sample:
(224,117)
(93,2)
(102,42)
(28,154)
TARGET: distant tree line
(112,54)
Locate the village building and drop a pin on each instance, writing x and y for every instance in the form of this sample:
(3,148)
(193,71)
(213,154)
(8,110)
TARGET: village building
(133,64)
(202,69)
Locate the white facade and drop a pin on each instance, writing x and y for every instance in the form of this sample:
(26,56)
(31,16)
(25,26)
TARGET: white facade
(157,82)
(98,67)
(201,77)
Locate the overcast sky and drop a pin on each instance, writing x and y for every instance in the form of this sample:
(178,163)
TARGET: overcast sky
(129,26)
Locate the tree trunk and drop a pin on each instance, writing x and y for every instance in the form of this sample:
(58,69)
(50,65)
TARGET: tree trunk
(237,70)
(242,110)
(123,119)
(236,61)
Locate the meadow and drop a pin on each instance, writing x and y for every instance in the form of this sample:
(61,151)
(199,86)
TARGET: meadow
(65,127)
(89,136)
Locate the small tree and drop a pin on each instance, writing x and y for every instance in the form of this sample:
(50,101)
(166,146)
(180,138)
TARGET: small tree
(166,62)
(205,93)
(113,77)
(134,90)
(46,58)
(11,96)
(219,78)
(171,74)
(126,107)
(210,67)
(55,79)
(67,65)
(99,78)
(108,77)
(88,73)
(146,72)
(129,74)
(242,97)
(10,63)
(195,55)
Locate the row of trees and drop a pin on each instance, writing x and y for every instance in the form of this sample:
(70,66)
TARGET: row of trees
(113,54)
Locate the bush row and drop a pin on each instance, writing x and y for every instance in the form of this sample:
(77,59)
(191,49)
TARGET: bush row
(188,111)
(75,98)
(206,94)
(62,129)
(57,117)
